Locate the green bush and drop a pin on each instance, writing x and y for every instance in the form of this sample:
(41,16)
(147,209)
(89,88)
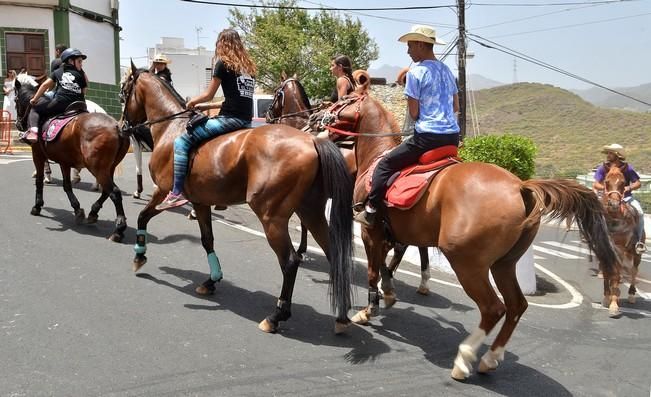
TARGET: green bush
(512,152)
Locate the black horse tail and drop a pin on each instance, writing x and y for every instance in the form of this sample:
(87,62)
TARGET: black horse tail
(141,133)
(338,185)
(560,198)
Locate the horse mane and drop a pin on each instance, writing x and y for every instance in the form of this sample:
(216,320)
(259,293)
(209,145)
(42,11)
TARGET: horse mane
(25,79)
(166,84)
(301,91)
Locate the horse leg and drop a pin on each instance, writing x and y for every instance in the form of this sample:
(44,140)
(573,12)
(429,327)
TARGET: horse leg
(204,218)
(137,152)
(316,223)
(276,229)
(120,218)
(80,215)
(387,272)
(473,277)
(507,283)
(39,160)
(302,246)
(423,288)
(611,294)
(376,253)
(145,215)
(637,258)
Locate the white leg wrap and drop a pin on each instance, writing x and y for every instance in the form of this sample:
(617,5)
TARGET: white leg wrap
(424,278)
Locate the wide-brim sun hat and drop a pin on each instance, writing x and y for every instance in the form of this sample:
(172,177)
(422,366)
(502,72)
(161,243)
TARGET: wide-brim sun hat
(160,58)
(423,33)
(615,148)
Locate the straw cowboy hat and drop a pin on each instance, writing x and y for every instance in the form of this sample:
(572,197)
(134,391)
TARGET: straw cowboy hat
(422,33)
(618,150)
(161,58)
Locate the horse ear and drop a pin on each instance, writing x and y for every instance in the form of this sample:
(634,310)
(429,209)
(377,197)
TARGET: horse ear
(17,84)
(283,76)
(295,76)
(133,67)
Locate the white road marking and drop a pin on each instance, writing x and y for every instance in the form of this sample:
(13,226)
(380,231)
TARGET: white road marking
(8,159)
(554,252)
(623,309)
(576,300)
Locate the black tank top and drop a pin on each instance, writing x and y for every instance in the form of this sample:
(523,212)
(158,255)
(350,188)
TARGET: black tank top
(335,95)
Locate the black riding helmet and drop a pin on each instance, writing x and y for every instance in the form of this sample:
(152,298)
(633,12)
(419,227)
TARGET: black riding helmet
(71,53)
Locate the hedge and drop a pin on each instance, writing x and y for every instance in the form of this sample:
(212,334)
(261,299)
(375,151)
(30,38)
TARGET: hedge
(512,152)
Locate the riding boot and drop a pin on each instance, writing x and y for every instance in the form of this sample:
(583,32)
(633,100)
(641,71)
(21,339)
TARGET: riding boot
(640,246)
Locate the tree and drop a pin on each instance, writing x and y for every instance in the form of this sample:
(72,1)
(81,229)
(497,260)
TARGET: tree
(296,42)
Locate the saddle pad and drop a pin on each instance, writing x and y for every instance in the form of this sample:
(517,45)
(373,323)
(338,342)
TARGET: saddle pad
(52,127)
(412,182)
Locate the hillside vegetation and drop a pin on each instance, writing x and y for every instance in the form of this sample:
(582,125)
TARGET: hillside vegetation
(568,131)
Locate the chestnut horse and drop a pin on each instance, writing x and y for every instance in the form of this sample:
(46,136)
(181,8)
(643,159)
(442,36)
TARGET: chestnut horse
(291,106)
(92,141)
(277,170)
(622,222)
(482,218)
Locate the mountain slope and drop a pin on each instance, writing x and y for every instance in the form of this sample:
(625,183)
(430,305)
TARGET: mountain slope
(603,98)
(568,131)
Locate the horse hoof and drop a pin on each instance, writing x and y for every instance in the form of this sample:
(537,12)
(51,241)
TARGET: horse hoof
(484,367)
(605,302)
(203,290)
(35,211)
(600,274)
(75,179)
(631,299)
(458,374)
(267,326)
(614,312)
(47,179)
(92,218)
(136,195)
(192,215)
(138,262)
(115,237)
(423,290)
(340,327)
(361,317)
(80,216)
(389,300)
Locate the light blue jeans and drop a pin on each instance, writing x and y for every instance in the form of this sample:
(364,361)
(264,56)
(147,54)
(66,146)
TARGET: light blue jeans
(213,127)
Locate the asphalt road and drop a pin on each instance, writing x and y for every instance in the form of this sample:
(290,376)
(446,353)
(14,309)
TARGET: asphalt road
(76,321)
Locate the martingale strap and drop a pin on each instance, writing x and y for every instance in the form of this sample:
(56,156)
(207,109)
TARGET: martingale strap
(332,121)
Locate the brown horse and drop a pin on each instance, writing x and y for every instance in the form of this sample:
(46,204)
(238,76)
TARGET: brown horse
(482,218)
(622,222)
(277,170)
(291,106)
(92,141)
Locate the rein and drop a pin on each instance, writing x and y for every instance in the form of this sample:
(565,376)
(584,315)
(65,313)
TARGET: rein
(283,116)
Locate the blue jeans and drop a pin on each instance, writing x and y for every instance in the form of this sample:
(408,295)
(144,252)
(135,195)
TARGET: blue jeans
(213,127)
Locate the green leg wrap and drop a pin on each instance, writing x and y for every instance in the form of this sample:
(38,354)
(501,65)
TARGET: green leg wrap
(215,269)
(141,241)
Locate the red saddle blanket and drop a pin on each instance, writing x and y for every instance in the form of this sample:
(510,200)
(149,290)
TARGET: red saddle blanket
(408,187)
(53,127)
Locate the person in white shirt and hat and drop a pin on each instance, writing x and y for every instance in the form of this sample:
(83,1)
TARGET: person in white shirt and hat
(432,101)
(159,67)
(615,157)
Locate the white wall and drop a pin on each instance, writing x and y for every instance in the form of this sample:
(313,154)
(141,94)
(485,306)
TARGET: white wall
(102,7)
(94,39)
(35,2)
(28,18)
(188,73)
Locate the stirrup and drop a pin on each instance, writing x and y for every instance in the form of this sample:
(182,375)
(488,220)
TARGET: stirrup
(640,248)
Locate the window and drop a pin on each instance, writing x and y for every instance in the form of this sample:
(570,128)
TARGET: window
(26,50)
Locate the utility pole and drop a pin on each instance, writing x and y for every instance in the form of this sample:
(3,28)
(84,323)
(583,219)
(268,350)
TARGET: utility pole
(461,57)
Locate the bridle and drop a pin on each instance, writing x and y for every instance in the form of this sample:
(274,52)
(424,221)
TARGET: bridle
(279,96)
(126,124)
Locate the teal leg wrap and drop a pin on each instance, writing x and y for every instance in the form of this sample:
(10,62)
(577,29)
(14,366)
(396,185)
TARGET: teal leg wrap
(215,269)
(141,242)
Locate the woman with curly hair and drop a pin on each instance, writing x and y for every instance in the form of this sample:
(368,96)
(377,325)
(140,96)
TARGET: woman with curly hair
(235,72)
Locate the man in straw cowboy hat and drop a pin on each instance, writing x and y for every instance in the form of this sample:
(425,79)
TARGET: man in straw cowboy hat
(615,156)
(159,67)
(432,102)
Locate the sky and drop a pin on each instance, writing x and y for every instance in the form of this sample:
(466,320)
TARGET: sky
(606,43)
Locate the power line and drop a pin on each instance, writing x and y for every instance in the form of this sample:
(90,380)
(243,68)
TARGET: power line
(278,7)
(535,16)
(571,26)
(498,47)
(551,4)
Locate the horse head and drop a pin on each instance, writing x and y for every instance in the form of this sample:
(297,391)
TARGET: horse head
(25,86)
(133,111)
(614,184)
(290,104)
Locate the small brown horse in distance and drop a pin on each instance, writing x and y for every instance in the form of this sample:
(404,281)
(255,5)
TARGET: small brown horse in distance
(622,224)
(276,169)
(483,218)
(291,106)
(92,141)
